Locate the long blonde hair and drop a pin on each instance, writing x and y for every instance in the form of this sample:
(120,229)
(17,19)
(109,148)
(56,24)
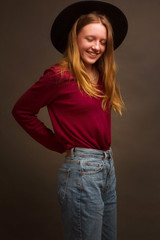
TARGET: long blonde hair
(105,64)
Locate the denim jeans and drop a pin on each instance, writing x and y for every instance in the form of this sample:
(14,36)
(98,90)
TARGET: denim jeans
(86,188)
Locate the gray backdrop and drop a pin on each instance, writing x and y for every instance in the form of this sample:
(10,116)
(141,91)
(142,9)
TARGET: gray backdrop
(29,206)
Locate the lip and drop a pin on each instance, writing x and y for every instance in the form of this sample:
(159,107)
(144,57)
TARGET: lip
(93,54)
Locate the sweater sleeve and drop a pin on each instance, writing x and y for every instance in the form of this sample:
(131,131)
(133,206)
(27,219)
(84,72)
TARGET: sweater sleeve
(25,111)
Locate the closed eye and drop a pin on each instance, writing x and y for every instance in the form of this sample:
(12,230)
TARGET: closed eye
(103,43)
(90,39)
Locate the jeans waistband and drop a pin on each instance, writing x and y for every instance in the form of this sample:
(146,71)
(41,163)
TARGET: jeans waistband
(89,152)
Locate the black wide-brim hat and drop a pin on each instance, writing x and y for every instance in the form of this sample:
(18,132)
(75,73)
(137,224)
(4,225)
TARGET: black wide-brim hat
(66,19)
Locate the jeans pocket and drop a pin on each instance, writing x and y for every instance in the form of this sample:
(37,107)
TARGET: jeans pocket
(62,184)
(92,167)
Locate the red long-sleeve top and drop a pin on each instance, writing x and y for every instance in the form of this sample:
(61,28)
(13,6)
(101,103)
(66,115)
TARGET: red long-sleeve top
(78,119)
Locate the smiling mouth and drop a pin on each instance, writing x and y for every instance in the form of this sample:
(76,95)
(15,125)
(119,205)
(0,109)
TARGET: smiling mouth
(93,54)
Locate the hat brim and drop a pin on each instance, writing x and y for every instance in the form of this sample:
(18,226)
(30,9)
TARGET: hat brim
(66,19)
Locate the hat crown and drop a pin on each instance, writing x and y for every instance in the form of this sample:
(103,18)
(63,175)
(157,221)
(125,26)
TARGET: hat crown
(67,17)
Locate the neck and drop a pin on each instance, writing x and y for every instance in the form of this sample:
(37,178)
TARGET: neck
(90,68)
(92,73)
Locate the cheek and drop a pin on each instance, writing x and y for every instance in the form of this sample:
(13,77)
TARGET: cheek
(80,48)
(83,45)
(83,48)
(103,49)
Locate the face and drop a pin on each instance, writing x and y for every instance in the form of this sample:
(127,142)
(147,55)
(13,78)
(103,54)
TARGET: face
(91,42)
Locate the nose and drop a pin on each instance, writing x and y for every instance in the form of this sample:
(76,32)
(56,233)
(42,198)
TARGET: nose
(96,46)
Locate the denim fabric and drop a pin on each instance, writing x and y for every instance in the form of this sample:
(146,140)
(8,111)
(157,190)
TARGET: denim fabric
(86,188)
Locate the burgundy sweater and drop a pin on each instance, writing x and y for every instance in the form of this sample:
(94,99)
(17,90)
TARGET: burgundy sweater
(78,119)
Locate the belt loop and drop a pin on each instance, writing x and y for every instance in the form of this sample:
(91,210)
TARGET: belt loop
(110,151)
(105,155)
(72,152)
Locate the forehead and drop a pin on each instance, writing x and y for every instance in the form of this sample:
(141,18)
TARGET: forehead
(97,29)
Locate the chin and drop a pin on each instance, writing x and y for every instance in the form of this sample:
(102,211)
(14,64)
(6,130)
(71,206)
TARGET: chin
(91,62)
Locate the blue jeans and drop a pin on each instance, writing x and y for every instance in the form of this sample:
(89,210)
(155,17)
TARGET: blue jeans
(86,188)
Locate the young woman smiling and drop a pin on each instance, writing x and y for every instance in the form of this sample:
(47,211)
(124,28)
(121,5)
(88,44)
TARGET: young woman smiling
(80,92)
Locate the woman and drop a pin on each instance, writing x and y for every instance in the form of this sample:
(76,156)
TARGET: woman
(80,92)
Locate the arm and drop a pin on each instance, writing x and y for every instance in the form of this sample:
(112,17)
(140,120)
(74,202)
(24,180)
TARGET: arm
(25,111)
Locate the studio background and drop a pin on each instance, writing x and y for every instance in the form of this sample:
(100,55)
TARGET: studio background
(28,201)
